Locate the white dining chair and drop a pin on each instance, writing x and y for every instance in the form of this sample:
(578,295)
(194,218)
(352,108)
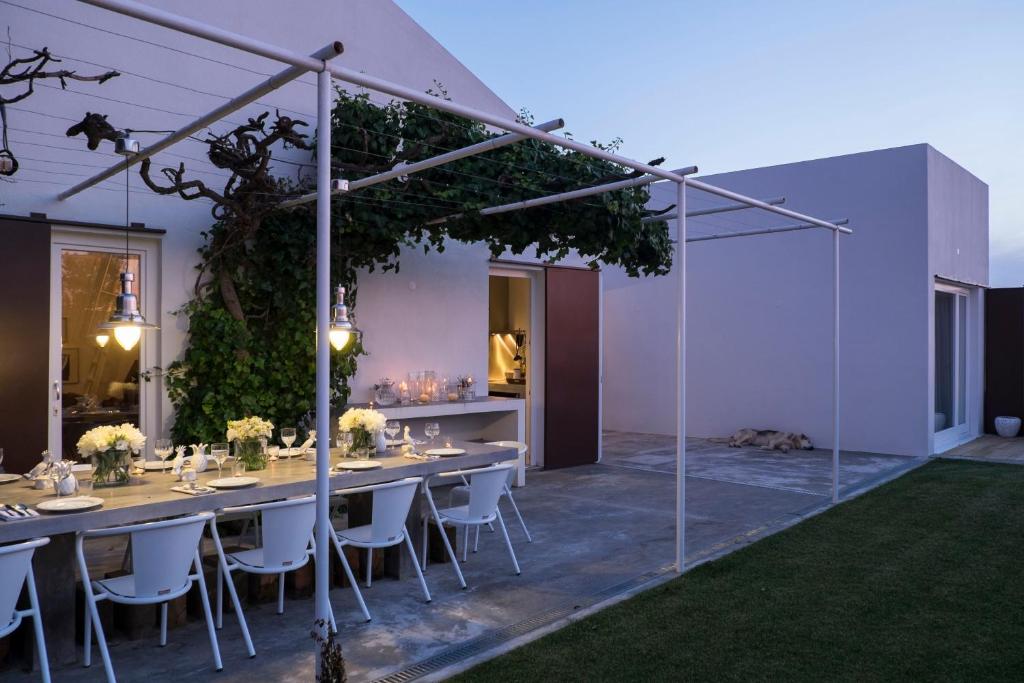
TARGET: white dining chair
(485,488)
(15,572)
(391,504)
(165,565)
(463,491)
(284,545)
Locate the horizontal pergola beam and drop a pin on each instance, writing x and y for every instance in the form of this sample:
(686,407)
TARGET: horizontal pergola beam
(756,203)
(763,231)
(248,97)
(775,201)
(408,169)
(568,196)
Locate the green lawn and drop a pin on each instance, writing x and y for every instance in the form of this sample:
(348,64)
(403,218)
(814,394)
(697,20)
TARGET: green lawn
(921,579)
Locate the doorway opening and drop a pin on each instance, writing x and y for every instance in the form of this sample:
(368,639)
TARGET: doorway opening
(94,380)
(515,349)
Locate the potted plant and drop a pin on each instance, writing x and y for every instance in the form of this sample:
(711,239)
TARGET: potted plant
(363,424)
(110,449)
(246,434)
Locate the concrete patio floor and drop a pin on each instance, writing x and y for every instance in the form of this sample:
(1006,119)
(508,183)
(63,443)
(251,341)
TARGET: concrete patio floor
(599,531)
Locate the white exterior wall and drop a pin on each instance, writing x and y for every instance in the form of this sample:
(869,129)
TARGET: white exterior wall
(760,313)
(450,301)
(958,252)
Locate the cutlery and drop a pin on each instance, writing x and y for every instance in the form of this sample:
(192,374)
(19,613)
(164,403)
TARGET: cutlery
(28,512)
(13,511)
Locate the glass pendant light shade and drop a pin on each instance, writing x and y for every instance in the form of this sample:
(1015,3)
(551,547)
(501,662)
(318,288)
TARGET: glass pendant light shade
(126,321)
(102,339)
(342,331)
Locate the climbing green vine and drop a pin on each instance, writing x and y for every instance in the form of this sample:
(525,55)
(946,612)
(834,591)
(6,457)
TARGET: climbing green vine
(251,324)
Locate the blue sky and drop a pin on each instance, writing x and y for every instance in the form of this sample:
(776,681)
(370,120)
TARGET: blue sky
(767,82)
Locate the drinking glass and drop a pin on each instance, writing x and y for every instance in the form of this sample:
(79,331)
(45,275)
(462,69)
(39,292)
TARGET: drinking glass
(392,427)
(163,448)
(431,429)
(1,456)
(288,438)
(344,442)
(219,451)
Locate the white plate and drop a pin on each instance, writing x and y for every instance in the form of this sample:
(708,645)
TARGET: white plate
(233,482)
(358,465)
(292,452)
(73,504)
(446,452)
(8,478)
(393,443)
(156,465)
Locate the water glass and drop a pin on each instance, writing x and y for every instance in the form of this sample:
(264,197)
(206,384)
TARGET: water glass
(431,429)
(219,451)
(288,438)
(163,448)
(344,442)
(392,428)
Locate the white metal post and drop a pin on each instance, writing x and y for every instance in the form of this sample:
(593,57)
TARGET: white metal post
(681,380)
(323,349)
(835,366)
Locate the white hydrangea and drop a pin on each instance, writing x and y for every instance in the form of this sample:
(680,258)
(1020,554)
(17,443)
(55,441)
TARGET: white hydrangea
(249,428)
(362,418)
(123,437)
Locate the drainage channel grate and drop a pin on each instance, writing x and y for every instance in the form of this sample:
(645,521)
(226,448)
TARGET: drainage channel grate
(493,639)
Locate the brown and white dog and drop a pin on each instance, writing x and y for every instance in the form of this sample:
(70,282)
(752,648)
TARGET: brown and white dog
(770,439)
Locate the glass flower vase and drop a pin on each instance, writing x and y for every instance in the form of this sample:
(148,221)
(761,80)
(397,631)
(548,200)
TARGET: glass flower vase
(111,467)
(364,444)
(250,453)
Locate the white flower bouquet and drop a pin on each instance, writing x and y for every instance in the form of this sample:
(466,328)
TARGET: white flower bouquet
(249,428)
(363,423)
(246,433)
(110,448)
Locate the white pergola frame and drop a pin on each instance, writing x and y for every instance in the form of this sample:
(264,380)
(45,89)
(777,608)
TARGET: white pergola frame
(318,63)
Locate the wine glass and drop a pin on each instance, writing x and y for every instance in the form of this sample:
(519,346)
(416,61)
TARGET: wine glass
(392,427)
(344,442)
(288,438)
(163,448)
(431,429)
(1,456)
(219,451)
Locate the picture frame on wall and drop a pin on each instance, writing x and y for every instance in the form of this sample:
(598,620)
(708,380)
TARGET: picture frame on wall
(69,366)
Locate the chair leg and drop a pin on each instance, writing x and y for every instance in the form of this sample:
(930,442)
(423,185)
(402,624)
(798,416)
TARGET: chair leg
(515,509)
(220,594)
(87,637)
(416,566)
(426,523)
(508,543)
(476,541)
(101,639)
(369,567)
(351,578)
(280,593)
(465,542)
(451,552)
(201,581)
(233,594)
(163,625)
(37,626)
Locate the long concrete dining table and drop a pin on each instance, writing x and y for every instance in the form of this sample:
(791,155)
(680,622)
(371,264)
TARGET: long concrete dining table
(150,497)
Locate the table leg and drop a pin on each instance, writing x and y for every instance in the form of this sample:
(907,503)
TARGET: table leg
(54,565)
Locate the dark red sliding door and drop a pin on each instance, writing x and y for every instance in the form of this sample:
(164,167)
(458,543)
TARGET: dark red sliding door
(572,367)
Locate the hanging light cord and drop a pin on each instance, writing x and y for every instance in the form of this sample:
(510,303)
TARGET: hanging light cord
(127,225)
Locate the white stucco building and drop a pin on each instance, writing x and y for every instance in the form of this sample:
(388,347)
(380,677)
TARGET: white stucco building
(759,310)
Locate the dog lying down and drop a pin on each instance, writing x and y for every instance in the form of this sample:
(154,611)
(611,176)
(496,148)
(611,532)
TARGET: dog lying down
(770,439)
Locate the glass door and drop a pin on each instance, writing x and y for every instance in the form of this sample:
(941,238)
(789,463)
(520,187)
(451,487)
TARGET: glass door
(93,380)
(951,376)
